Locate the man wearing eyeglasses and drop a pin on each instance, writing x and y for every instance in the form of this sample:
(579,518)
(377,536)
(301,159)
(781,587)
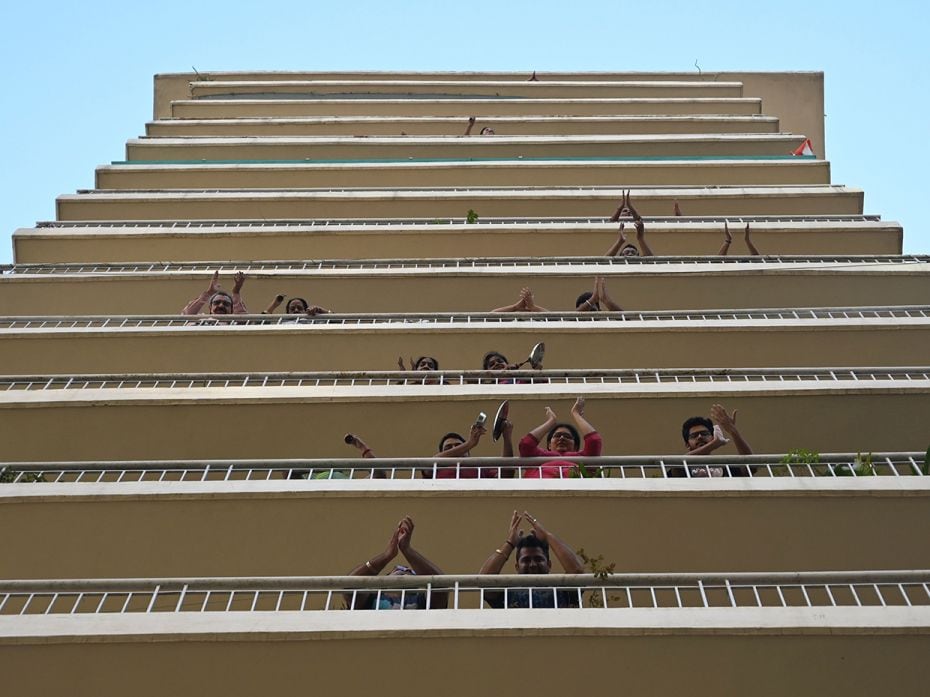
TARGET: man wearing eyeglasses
(532,550)
(703,436)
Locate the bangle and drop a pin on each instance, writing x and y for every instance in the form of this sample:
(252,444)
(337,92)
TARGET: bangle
(502,553)
(369,566)
(508,542)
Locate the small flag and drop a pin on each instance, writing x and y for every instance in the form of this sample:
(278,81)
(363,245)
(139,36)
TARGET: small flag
(804,148)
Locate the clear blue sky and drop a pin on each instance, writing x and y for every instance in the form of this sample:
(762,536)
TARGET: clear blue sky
(77,78)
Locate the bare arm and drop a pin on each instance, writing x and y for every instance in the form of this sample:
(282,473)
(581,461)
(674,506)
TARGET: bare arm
(471,124)
(749,245)
(473,437)
(570,561)
(494,563)
(507,449)
(239,307)
(618,243)
(584,427)
(545,426)
(373,567)
(727,423)
(605,300)
(273,305)
(195,305)
(727,240)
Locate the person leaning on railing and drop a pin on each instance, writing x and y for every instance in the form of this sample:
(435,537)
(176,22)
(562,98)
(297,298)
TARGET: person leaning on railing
(419,565)
(562,440)
(454,445)
(532,551)
(218,301)
(295,306)
(704,436)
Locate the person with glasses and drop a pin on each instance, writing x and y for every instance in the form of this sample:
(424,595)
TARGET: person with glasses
(218,301)
(703,436)
(532,550)
(562,440)
(418,565)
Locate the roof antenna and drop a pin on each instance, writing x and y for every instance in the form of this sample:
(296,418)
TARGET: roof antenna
(697,66)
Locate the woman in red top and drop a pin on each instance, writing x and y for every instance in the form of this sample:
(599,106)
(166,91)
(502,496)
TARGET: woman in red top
(562,440)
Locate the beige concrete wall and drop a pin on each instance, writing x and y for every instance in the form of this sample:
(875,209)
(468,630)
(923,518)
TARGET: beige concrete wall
(438,126)
(460,148)
(308,205)
(676,286)
(777,661)
(673,344)
(795,97)
(404,421)
(206,243)
(322,528)
(236,108)
(468,174)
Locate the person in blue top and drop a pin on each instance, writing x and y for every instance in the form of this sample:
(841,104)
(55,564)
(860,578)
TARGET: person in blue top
(418,564)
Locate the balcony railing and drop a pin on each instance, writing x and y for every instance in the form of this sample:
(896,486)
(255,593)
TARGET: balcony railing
(588,592)
(787,377)
(484,221)
(452,264)
(391,319)
(637,468)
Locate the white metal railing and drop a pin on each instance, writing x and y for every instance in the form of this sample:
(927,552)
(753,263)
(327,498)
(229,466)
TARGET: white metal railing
(906,588)
(783,376)
(56,322)
(483,221)
(790,465)
(442,263)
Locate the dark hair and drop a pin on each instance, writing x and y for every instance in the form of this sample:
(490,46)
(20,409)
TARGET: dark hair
(223,293)
(695,421)
(450,434)
(484,361)
(574,431)
(532,541)
(287,306)
(430,358)
(585,297)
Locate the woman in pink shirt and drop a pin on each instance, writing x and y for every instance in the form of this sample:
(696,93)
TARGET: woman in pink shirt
(562,440)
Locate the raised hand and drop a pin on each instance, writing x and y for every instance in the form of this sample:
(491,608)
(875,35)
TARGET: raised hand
(514,534)
(214,286)
(404,534)
(550,415)
(578,407)
(727,422)
(477,430)
(727,237)
(238,280)
(538,529)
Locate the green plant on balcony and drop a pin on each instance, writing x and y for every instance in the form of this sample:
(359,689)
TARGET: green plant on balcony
(602,571)
(8,475)
(799,456)
(583,472)
(471,218)
(861,467)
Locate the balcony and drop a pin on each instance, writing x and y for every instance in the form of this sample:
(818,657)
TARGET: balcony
(476,285)
(822,632)
(57,242)
(893,336)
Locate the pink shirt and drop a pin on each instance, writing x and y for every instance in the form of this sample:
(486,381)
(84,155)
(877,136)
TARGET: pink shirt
(529,447)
